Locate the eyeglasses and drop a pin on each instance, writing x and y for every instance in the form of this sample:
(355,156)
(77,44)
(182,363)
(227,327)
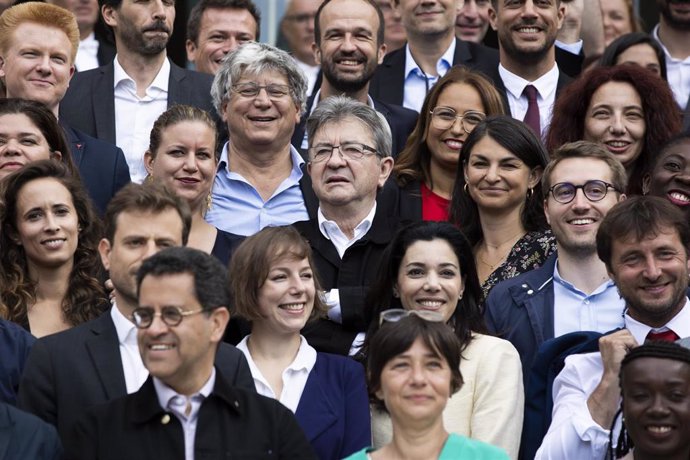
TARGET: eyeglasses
(348,150)
(249,90)
(172,316)
(443,118)
(594,190)
(394,315)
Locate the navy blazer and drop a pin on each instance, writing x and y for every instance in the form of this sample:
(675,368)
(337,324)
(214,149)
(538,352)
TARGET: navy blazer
(25,436)
(388,83)
(89,104)
(15,344)
(334,408)
(68,372)
(401,121)
(102,166)
(520,310)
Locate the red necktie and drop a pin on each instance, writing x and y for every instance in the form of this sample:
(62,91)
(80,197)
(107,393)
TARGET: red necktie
(532,115)
(667,336)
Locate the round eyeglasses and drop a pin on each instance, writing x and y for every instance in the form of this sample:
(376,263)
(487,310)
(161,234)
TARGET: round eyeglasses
(348,150)
(393,315)
(594,190)
(443,118)
(171,316)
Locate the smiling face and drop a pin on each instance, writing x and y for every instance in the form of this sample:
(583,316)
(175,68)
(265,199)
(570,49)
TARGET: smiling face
(260,121)
(496,178)
(348,52)
(415,385)
(675,13)
(651,275)
(21,142)
(472,20)
(616,17)
(643,55)
(221,30)
(445,145)
(656,406)
(185,161)
(286,298)
(141,27)
(37,64)
(670,177)
(575,224)
(615,119)
(47,224)
(430,278)
(432,18)
(181,356)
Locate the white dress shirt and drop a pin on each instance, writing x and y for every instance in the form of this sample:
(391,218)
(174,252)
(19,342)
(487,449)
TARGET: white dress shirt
(294,376)
(87,53)
(418,83)
(546,87)
(311,72)
(573,433)
(132,365)
(134,116)
(185,408)
(677,73)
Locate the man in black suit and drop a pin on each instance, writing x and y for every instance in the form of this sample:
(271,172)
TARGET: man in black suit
(68,372)
(187,408)
(407,74)
(119,102)
(36,33)
(348,47)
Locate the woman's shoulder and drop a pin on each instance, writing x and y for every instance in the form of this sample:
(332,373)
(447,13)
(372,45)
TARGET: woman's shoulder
(360,454)
(490,344)
(463,447)
(338,363)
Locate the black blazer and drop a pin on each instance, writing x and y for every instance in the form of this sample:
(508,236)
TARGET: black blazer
(89,104)
(102,166)
(401,121)
(388,83)
(232,423)
(106,52)
(68,372)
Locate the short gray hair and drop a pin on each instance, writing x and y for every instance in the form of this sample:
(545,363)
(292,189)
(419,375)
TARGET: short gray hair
(256,58)
(339,108)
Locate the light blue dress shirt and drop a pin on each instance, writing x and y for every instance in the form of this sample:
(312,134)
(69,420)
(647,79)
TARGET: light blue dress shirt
(417,83)
(237,207)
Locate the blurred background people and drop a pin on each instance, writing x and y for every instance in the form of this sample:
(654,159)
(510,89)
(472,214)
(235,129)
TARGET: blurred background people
(297,28)
(619,19)
(636,48)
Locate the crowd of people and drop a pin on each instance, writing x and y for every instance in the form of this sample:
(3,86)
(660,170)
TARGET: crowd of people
(425,229)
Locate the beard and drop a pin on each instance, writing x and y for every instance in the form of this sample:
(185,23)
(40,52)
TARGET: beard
(531,56)
(148,46)
(674,21)
(348,82)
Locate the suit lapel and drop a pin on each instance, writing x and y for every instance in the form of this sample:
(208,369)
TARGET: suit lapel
(394,87)
(103,348)
(77,146)
(315,412)
(104,103)
(178,93)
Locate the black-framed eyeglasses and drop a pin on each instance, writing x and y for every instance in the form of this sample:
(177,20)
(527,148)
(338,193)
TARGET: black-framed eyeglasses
(348,150)
(393,315)
(594,190)
(249,90)
(171,316)
(444,117)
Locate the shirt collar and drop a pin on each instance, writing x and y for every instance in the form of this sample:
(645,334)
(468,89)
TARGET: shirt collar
(126,330)
(361,229)
(297,161)
(89,40)
(304,360)
(317,95)
(546,84)
(569,286)
(160,81)
(443,64)
(680,324)
(165,393)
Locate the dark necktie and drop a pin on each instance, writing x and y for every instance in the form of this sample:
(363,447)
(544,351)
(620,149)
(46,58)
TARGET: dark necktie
(667,336)
(532,115)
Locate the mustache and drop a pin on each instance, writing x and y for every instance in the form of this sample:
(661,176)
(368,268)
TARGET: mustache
(158,26)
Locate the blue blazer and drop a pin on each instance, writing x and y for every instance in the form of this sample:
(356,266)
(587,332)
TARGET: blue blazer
(15,344)
(334,408)
(25,436)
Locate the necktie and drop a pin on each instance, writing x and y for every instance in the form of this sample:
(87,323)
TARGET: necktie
(666,336)
(532,115)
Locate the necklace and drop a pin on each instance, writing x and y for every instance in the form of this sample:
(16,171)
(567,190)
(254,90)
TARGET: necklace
(504,255)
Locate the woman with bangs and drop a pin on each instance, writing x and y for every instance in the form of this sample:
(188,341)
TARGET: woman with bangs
(274,286)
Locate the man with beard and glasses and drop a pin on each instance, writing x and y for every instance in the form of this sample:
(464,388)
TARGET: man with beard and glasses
(349,46)
(527,73)
(572,290)
(644,243)
(673,34)
(120,101)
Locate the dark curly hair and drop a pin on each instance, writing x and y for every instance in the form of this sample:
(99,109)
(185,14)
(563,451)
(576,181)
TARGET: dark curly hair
(661,113)
(85,298)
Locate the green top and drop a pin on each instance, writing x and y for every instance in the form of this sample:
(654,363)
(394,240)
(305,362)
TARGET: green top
(456,447)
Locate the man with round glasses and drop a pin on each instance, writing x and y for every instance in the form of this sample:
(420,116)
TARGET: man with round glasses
(572,290)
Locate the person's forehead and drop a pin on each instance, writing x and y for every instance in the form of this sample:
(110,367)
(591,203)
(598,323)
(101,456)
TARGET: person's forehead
(148,223)
(349,128)
(661,237)
(581,170)
(218,16)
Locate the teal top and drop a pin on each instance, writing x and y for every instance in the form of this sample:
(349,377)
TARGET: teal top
(456,447)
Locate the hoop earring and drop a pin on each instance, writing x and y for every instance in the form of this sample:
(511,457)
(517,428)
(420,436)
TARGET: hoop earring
(530,192)
(464,189)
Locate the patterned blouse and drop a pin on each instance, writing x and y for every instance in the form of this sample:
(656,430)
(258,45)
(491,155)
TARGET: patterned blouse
(528,253)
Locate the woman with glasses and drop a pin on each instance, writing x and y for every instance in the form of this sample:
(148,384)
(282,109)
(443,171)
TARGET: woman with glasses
(429,268)
(498,201)
(49,235)
(413,368)
(426,168)
(274,286)
(627,109)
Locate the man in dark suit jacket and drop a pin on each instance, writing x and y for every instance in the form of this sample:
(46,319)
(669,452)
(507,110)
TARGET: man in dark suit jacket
(183,297)
(25,436)
(123,114)
(68,372)
(348,53)
(51,30)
